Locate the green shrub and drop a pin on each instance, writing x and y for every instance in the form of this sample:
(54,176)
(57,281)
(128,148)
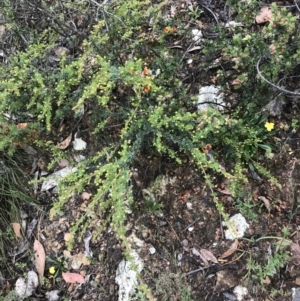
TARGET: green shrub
(140,97)
(120,70)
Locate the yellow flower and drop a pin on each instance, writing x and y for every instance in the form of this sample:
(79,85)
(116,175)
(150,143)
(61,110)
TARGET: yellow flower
(52,270)
(269,126)
(167,29)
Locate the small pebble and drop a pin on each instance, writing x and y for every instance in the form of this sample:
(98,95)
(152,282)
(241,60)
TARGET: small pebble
(145,234)
(296,294)
(163,223)
(191,229)
(152,250)
(230,199)
(23,214)
(185,242)
(189,206)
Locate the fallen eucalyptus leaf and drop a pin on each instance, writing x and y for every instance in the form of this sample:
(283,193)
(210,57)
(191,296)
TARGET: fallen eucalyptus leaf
(17,229)
(40,257)
(197,253)
(72,277)
(266,202)
(209,256)
(65,143)
(231,250)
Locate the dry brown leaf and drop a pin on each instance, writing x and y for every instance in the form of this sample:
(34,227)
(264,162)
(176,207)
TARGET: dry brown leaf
(197,253)
(209,255)
(264,16)
(225,191)
(17,229)
(267,280)
(266,202)
(236,82)
(86,196)
(64,144)
(40,257)
(231,250)
(72,277)
(272,49)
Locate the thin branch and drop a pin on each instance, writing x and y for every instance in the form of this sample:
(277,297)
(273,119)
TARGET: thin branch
(271,84)
(191,224)
(55,20)
(215,17)
(196,271)
(296,4)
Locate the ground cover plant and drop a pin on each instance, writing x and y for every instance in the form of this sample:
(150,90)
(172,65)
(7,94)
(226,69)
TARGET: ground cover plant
(110,91)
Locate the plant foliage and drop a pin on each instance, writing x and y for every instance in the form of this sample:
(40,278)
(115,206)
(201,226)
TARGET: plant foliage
(113,62)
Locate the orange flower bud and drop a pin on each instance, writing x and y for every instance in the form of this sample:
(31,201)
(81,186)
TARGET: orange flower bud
(22,125)
(146,71)
(147,88)
(206,148)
